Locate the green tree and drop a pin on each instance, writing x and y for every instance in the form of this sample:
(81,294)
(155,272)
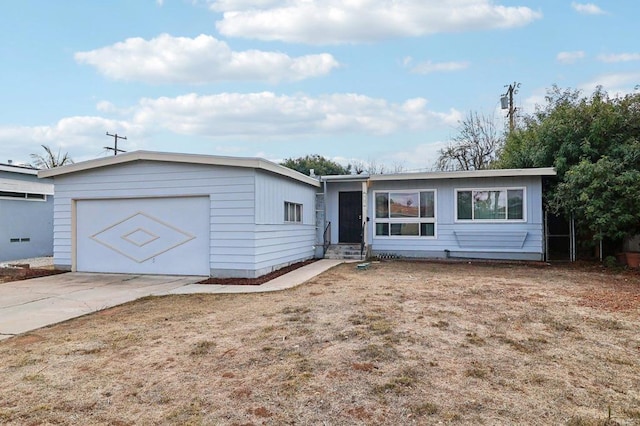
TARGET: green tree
(605,195)
(593,142)
(320,165)
(49,160)
(476,146)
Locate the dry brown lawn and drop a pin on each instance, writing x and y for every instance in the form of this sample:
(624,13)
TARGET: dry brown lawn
(399,343)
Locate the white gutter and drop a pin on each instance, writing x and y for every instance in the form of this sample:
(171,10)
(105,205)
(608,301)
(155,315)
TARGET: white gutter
(492,173)
(248,162)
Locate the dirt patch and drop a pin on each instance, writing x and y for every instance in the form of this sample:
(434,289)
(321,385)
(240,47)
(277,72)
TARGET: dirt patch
(256,281)
(16,274)
(399,343)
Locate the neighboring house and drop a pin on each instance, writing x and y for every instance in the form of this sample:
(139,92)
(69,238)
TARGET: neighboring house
(26,213)
(180,214)
(163,213)
(485,214)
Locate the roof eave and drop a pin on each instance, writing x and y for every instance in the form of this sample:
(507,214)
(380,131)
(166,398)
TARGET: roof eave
(344,178)
(248,162)
(491,173)
(18,169)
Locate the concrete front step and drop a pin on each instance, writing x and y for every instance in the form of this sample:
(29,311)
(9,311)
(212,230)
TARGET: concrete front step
(342,251)
(342,257)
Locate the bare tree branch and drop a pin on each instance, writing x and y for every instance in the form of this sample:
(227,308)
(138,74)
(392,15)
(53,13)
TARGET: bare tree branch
(476,146)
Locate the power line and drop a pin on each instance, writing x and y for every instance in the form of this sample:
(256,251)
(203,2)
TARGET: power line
(115,143)
(506,102)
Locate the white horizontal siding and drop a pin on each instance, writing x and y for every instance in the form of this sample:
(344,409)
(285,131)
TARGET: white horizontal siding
(239,198)
(280,245)
(230,190)
(272,191)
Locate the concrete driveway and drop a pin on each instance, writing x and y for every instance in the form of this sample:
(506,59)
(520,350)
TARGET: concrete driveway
(38,302)
(34,303)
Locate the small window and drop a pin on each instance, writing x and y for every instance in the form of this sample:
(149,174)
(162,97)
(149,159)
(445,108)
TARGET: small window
(490,204)
(292,212)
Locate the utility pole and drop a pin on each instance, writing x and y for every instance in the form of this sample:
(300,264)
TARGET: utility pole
(115,143)
(506,102)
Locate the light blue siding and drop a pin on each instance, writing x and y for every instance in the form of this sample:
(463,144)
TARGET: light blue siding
(278,243)
(499,240)
(271,193)
(248,236)
(227,188)
(331,201)
(28,221)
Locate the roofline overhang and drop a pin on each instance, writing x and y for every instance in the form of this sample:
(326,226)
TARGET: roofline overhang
(345,178)
(27,186)
(490,173)
(212,160)
(18,169)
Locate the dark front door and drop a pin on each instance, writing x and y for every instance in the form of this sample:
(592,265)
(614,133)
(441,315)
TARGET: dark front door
(349,216)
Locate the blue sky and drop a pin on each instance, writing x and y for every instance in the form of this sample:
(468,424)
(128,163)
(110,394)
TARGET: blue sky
(381,81)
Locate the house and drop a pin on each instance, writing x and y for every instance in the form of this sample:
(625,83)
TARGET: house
(483,214)
(166,213)
(181,214)
(26,213)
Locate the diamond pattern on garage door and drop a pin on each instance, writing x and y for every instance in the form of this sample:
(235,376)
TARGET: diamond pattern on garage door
(141,237)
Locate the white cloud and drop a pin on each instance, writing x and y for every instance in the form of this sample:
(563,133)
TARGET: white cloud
(535,100)
(422,157)
(619,57)
(616,84)
(353,21)
(267,114)
(82,136)
(429,67)
(587,8)
(570,57)
(204,59)
(252,117)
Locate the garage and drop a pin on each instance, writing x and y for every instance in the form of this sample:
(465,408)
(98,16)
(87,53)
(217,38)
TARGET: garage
(145,212)
(143,235)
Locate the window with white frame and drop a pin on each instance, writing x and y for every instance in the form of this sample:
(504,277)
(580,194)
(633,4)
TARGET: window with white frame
(292,212)
(495,204)
(22,196)
(405,213)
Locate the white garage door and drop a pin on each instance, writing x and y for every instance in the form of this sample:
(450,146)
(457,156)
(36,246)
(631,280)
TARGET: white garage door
(143,236)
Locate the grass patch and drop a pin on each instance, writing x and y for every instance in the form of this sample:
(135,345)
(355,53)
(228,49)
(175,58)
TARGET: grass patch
(202,347)
(406,343)
(298,310)
(424,409)
(476,371)
(590,421)
(405,379)
(474,339)
(528,346)
(375,352)
(441,324)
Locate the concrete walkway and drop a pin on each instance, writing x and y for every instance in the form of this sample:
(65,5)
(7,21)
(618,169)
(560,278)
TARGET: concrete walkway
(38,302)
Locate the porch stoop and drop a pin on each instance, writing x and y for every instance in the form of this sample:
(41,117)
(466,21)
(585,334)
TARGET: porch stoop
(345,252)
